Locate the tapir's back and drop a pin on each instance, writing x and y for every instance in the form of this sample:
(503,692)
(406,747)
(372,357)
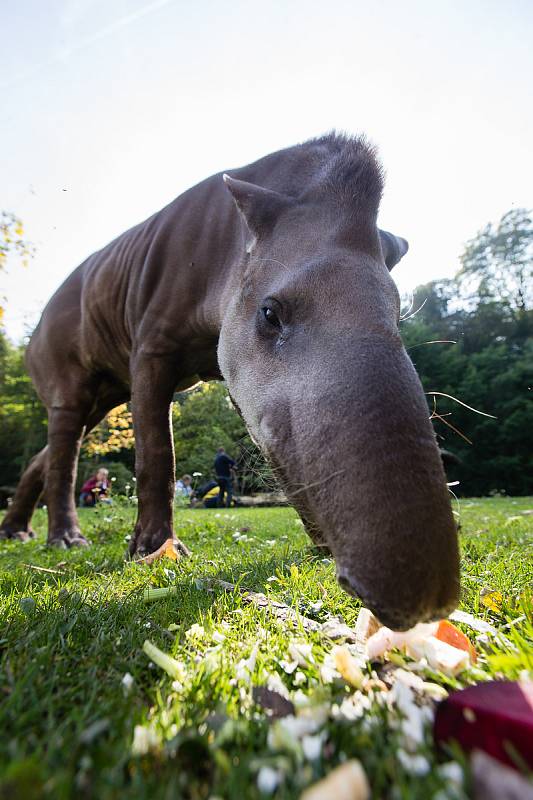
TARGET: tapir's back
(147,288)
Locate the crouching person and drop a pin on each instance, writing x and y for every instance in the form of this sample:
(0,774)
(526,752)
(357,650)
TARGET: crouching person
(95,489)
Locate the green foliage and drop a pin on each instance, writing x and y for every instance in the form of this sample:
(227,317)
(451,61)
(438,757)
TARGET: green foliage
(22,416)
(112,435)
(490,366)
(486,311)
(205,419)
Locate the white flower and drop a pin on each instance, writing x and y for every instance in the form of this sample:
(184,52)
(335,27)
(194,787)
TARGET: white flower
(414,719)
(353,707)
(127,681)
(452,772)
(268,779)
(195,632)
(415,765)
(301,653)
(288,666)
(312,746)
(197,474)
(275,684)
(328,670)
(285,733)
(299,678)
(218,637)
(245,667)
(144,740)
(302,701)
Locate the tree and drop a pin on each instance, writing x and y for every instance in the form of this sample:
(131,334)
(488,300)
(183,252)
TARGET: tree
(487,312)
(12,242)
(113,434)
(497,264)
(205,419)
(23,419)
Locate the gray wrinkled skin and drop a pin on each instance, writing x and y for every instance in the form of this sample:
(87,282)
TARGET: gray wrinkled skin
(280,271)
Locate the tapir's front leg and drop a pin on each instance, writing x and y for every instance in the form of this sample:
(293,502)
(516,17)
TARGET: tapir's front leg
(153,382)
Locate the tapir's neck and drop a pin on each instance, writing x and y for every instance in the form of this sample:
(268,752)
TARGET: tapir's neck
(185,264)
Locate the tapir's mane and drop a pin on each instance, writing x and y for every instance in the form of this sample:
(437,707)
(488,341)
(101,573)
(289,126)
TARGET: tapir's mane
(347,169)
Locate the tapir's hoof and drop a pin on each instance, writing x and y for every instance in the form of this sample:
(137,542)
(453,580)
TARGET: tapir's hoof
(67,540)
(20,536)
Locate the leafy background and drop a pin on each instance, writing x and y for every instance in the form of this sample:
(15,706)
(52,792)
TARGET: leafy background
(470,338)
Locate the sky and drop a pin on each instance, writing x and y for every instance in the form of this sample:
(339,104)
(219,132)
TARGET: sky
(111,108)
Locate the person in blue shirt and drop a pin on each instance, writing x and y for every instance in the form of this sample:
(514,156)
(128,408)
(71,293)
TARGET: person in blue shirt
(224,466)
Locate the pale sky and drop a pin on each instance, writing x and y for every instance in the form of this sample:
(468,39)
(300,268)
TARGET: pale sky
(111,108)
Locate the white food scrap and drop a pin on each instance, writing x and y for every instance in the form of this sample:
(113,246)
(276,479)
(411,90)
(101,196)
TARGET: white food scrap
(440,655)
(419,643)
(367,624)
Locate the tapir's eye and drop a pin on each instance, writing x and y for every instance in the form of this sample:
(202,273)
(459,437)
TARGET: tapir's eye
(271,317)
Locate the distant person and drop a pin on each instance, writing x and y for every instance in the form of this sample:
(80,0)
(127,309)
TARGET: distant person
(184,486)
(95,489)
(206,495)
(224,467)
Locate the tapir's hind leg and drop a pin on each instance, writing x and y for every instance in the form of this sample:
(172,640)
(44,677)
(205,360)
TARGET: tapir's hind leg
(17,522)
(66,428)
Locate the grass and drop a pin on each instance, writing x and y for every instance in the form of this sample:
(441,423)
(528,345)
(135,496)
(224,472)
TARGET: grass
(72,725)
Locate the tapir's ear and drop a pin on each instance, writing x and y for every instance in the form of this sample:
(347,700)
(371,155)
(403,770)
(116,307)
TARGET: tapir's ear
(260,207)
(394,248)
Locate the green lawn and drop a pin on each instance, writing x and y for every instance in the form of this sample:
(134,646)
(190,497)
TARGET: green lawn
(70,635)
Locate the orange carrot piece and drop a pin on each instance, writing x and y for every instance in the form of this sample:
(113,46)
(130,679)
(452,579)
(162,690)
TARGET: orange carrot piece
(167,550)
(448,633)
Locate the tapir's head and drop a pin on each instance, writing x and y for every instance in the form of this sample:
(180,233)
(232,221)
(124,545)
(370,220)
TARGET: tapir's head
(313,358)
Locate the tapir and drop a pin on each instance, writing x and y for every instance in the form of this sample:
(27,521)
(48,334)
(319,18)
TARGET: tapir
(276,278)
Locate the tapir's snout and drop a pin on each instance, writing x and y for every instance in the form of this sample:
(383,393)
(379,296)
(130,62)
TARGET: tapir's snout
(377,491)
(342,415)
(397,616)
